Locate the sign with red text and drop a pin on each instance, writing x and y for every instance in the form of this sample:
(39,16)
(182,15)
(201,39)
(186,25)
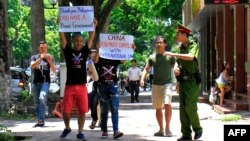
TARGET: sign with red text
(116,46)
(76,18)
(226,1)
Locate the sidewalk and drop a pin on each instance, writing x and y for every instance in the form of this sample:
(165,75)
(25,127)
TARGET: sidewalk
(137,122)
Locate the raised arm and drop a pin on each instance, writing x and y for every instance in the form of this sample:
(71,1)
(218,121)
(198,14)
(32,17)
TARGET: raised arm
(33,64)
(51,61)
(188,57)
(92,35)
(62,40)
(96,58)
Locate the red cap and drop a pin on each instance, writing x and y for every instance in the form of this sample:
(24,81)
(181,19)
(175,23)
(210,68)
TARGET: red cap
(184,29)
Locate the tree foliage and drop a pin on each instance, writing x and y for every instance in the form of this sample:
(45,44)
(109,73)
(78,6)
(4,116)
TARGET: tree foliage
(19,30)
(144,19)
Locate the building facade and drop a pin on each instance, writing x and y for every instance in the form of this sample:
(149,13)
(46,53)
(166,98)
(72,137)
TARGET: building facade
(224,29)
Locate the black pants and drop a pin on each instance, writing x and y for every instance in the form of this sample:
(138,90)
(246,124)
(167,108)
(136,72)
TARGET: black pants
(134,90)
(94,101)
(151,76)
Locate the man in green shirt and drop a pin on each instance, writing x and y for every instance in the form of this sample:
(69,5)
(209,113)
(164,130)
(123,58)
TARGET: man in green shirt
(186,72)
(162,84)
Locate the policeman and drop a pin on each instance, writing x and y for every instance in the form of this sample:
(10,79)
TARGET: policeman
(186,72)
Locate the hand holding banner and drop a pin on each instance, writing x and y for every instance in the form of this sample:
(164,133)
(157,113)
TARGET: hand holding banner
(116,46)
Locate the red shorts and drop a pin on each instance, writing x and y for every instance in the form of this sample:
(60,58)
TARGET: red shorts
(75,94)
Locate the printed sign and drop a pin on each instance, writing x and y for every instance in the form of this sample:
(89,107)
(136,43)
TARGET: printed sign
(116,47)
(76,18)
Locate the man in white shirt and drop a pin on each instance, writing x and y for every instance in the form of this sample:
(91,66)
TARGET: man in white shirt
(134,76)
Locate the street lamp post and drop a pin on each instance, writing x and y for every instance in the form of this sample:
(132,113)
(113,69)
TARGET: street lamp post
(53,2)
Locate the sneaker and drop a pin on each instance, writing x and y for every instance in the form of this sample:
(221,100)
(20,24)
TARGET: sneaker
(92,125)
(104,135)
(168,133)
(117,134)
(81,137)
(65,133)
(159,133)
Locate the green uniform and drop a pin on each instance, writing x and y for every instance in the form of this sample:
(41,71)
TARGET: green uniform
(162,68)
(189,92)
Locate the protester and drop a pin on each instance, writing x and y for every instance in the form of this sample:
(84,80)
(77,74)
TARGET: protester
(109,96)
(41,64)
(94,95)
(133,79)
(162,84)
(75,88)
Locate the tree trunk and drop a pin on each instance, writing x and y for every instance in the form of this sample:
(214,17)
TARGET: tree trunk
(5,90)
(37,24)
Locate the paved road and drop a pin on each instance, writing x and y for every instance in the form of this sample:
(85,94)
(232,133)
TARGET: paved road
(137,121)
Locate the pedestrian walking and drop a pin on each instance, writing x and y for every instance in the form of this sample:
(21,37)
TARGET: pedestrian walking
(41,64)
(133,79)
(162,84)
(151,76)
(187,74)
(75,88)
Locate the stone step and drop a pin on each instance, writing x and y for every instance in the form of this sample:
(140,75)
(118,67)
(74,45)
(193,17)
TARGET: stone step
(242,97)
(223,110)
(144,98)
(236,104)
(203,99)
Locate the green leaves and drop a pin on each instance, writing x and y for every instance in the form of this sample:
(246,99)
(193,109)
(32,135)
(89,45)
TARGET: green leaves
(144,19)
(5,134)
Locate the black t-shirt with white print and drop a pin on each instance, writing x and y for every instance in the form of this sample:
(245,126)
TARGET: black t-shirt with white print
(107,69)
(42,71)
(76,64)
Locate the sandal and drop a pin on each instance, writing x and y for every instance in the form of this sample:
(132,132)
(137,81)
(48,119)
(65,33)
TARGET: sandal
(159,133)
(92,125)
(39,124)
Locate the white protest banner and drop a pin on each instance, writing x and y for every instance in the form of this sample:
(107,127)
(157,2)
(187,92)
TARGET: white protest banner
(76,18)
(116,46)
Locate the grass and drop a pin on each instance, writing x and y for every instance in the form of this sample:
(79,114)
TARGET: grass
(5,134)
(7,116)
(230,117)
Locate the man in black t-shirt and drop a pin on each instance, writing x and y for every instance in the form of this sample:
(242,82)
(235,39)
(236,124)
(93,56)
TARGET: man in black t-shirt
(41,64)
(75,89)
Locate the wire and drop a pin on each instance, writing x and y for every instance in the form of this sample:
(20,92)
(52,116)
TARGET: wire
(41,69)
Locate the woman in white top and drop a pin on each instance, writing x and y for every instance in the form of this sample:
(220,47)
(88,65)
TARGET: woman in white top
(222,81)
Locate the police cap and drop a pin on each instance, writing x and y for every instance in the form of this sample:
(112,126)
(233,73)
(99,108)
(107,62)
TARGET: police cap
(184,29)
